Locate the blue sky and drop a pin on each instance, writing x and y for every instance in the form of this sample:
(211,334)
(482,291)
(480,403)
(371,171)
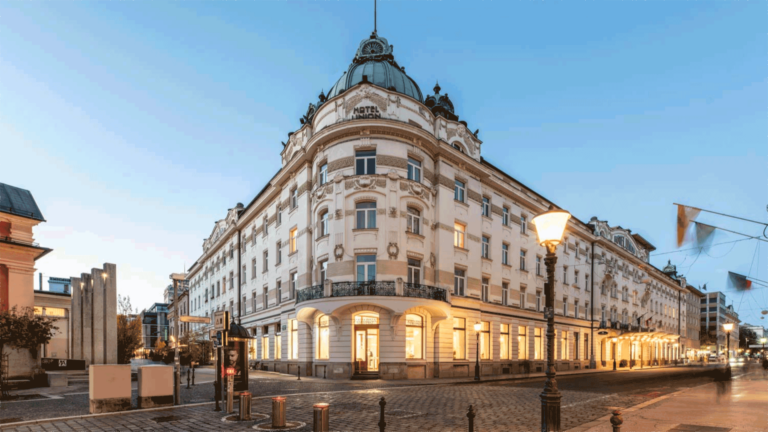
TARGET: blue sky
(137,124)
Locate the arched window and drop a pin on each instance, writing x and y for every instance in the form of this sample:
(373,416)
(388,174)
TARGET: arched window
(323,338)
(366,215)
(414,221)
(619,240)
(414,336)
(457,147)
(324,221)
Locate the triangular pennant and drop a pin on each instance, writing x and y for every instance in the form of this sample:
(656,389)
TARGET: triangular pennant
(685,215)
(704,235)
(738,282)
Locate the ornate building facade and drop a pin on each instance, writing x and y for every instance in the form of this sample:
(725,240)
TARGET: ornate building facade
(385,238)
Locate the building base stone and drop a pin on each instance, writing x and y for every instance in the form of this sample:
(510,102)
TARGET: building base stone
(110,405)
(155,401)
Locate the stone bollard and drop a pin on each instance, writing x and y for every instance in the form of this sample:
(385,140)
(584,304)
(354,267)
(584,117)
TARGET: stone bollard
(321,420)
(382,423)
(245,406)
(278,412)
(471,417)
(299,374)
(617,420)
(155,386)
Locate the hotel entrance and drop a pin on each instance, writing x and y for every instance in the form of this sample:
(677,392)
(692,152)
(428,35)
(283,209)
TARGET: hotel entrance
(366,343)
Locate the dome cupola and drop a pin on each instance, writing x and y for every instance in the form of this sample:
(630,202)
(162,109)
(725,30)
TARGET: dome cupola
(440,105)
(374,63)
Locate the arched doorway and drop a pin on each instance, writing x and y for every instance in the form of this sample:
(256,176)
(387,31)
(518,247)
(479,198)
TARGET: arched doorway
(366,344)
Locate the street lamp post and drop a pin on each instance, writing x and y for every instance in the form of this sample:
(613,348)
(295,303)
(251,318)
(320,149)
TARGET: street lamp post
(763,341)
(550,226)
(478,326)
(728,327)
(614,340)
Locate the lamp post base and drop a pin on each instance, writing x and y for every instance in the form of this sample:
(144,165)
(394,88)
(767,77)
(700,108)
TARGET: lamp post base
(550,411)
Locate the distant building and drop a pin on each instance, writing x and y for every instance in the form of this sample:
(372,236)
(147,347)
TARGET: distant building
(714,313)
(182,291)
(154,325)
(56,305)
(59,285)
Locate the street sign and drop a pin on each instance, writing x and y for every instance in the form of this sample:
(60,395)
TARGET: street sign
(218,337)
(549,312)
(195,319)
(215,343)
(221,320)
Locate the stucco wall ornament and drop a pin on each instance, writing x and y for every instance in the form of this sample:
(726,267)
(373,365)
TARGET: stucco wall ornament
(338,252)
(393,250)
(432,260)
(393,212)
(363,182)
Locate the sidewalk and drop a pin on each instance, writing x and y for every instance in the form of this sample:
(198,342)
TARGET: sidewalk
(740,405)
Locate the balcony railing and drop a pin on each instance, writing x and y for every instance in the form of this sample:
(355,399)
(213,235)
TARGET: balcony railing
(372,288)
(369,288)
(423,291)
(14,240)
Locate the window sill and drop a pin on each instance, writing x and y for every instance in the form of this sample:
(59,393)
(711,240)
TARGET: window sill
(461,202)
(523,270)
(365,229)
(293,253)
(322,237)
(459,248)
(293,209)
(490,219)
(506,265)
(524,233)
(415,235)
(486,259)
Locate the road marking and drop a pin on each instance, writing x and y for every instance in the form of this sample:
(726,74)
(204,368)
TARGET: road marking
(590,400)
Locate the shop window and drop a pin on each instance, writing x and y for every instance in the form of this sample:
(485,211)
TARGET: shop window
(278,342)
(459,339)
(504,342)
(485,340)
(538,344)
(324,338)
(293,325)
(522,343)
(414,337)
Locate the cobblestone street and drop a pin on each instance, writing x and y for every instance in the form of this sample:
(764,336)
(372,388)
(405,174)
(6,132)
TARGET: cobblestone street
(500,406)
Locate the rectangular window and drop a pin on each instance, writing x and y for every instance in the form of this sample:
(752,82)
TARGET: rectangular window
(458,235)
(523,224)
(293,325)
(266,297)
(224,285)
(504,293)
(505,216)
(253,236)
(323,271)
(459,191)
(504,342)
(564,345)
(522,343)
(538,344)
(366,268)
(522,297)
(484,295)
(459,339)
(485,340)
(414,271)
(459,282)
(565,274)
(414,337)
(279,296)
(253,268)
(324,338)
(366,215)
(538,265)
(265,346)
(292,237)
(565,307)
(266,224)
(505,254)
(294,283)
(278,253)
(575,277)
(522,259)
(266,260)
(279,218)
(413,221)
(414,170)
(576,347)
(538,301)
(486,207)
(577,250)
(244,275)
(253,300)
(278,343)
(486,247)
(294,198)
(325,225)
(365,162)
(576,309)
(586,345)
(322,177)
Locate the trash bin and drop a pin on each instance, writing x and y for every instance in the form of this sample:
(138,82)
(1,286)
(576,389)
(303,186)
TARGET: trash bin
(245,406)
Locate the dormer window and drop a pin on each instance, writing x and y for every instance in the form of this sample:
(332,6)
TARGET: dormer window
(619,240)
(456,146)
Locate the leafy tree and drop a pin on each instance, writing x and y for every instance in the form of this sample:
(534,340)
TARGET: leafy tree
(746,336)
(128,331)
(22,329)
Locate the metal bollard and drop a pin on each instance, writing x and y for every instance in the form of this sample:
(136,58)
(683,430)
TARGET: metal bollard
(188,378)
(193,375)
(321,421)
(617,420)
(245,406)
(299,374)
(471,417)
(217,394)
(382,423)
(324,367)
(278,412)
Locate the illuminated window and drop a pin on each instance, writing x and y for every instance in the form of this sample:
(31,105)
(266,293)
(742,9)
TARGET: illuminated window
(564,345)
(294,335)
(292,238)
(522,343)
(504,342)
(485,340)
(458,237)
(38,310)
(459,339)
(265,344)
(278,343)
(538,344)
(324,338)
(414,337)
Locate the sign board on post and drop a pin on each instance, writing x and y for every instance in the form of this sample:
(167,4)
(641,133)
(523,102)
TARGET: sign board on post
(221,320)
(195,319)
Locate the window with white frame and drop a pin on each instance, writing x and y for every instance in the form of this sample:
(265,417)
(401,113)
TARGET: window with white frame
(505,254)
(413,221)
(414,271)
(486,246)
(266,224)
(279,218)
(523,224)
(294,198)
(538,265)
(366,268)
(266,260)
(565,274)
(575,277)
(539,303)
(459,282)
(565,306)
(322,176)
(504,293)
(365,162)
(522,297)
(325,223)
(576,308)
(577,250)
(323,271)
(414,170)
(279,292)
(278,253)
(505,216)
(522,259)
(485,288)
(486,207)
(366,215)
(458,234)
(294,283)
(459,191)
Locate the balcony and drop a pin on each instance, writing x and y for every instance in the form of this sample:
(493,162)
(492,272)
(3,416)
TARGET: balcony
(372,288)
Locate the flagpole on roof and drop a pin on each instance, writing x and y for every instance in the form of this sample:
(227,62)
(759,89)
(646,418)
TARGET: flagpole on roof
(722,214)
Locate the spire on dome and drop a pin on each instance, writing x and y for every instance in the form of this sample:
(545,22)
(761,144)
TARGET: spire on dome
(437,87)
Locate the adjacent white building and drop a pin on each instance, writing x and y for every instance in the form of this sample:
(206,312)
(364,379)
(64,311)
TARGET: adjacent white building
(385,237)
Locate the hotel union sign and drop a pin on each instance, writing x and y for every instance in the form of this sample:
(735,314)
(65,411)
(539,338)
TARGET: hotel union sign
(366,112)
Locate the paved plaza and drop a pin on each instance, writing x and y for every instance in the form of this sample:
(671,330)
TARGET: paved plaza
(500,405)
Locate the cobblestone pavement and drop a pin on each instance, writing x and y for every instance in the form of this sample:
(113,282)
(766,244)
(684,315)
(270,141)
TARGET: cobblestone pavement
(500,406)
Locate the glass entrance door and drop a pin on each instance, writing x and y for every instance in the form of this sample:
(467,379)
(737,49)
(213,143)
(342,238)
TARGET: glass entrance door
(366,350)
